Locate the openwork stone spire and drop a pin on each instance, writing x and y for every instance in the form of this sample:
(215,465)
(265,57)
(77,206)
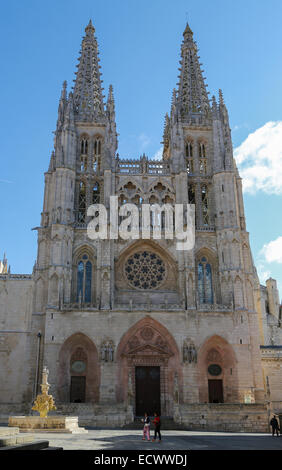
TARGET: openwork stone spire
(87,95)
(192,93)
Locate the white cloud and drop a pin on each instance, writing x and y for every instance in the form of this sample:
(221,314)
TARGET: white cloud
(272,251)
(6,181)
(263,273)
(158,155)
(259,159)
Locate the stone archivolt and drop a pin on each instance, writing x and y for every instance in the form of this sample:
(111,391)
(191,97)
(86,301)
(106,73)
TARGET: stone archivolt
(146,342)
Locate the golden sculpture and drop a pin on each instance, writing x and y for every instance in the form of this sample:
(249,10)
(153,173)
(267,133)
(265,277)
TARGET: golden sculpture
(44,402)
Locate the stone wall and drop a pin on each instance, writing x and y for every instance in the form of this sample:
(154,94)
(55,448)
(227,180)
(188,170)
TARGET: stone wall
(222,417)
(16,293)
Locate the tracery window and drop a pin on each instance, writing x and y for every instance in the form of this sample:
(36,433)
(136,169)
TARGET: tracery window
(189,157)
(191,195)
(202,159)
(205,290)
(202,150)
(189,149)
(81,202)
(145,270)
(84,146)
(84,279)
(96,194)
(83,154)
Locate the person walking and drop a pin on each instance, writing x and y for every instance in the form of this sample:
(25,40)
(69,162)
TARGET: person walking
(157,424)
(146,428)
(275,426)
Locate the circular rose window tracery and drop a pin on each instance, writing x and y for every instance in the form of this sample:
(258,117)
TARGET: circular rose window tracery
(145,270)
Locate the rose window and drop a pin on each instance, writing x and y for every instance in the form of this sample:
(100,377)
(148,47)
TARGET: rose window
(144,270)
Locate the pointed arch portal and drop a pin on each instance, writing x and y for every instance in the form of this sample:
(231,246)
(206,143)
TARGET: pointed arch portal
(148,359)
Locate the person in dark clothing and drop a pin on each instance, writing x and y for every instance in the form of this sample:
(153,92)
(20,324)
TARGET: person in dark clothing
(275,426)
(157,424)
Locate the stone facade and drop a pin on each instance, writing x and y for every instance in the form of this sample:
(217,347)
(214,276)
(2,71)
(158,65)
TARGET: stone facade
(96,311)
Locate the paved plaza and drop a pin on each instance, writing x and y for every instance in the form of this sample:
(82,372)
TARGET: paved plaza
(117,439)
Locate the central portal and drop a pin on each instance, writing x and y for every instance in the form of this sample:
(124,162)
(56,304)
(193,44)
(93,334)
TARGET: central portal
(148,390)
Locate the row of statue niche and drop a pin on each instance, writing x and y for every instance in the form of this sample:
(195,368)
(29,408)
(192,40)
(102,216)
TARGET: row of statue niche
(107,351)
(56,217)
(189,353)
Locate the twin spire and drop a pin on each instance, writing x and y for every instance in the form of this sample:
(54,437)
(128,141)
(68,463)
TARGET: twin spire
(192,96)
(190,99)
(88,91)
(86,102)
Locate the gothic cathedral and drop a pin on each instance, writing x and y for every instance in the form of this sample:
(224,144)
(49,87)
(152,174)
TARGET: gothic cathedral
(133,325)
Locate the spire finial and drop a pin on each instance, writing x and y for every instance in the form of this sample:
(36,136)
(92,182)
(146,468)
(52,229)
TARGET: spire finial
(90,28)
(187,31)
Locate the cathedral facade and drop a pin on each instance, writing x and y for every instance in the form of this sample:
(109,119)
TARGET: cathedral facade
(133,325)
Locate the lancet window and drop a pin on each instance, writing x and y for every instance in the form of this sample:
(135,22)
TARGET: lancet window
(83,154)
(202,159)
(84,279)
(189,157)
(97,154)
(205,289)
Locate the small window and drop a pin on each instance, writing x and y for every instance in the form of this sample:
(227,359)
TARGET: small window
(202,150)
(189,149)
(96,194)
(97,154)
(84,146)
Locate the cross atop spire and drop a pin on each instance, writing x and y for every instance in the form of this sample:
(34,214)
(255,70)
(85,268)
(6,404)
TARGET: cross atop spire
(87,95)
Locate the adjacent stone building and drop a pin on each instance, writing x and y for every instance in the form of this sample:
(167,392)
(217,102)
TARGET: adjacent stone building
(127,326)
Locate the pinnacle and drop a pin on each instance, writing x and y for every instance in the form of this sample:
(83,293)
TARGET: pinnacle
(110,95)
(187,30)
(90,27)
(221,100)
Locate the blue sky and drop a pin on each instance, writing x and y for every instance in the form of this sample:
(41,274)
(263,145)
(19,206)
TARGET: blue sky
(139,42)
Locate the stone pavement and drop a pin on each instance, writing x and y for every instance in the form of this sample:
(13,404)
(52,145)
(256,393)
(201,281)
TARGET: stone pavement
(120,439)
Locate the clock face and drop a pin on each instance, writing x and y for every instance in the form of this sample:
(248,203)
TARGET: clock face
(78,366)
(214,369)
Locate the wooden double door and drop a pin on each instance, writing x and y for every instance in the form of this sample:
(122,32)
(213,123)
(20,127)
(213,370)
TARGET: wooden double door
(147,390)
(215,391)
(77,389)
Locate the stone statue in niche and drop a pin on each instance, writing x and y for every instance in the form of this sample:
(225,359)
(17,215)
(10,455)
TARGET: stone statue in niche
(176,388)
(189,352)
(107,351)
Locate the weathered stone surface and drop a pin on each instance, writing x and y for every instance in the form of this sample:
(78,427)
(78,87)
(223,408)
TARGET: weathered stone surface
(48,424)
(92,321)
